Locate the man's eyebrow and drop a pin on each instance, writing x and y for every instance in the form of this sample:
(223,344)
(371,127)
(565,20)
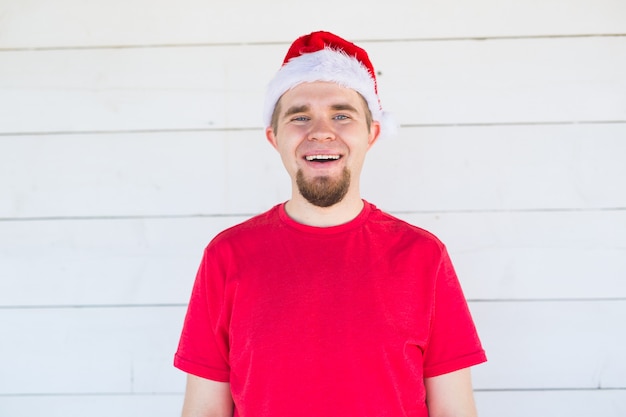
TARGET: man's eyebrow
(304,108)
(344,106)
(296,109)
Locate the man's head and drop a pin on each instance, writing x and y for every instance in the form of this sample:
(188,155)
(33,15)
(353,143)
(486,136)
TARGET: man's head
(323,56)
(323,114)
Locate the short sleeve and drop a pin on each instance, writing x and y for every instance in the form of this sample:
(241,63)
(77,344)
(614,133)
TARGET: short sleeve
(203,345)
(453,341)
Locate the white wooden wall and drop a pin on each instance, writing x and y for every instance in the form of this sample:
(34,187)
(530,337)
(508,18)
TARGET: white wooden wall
(130,134)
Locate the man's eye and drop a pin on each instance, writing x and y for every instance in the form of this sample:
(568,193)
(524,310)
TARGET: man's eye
(341,117)
(300,119)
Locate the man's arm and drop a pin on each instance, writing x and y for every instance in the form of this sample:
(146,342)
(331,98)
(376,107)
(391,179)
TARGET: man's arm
(450,395)
(206,398)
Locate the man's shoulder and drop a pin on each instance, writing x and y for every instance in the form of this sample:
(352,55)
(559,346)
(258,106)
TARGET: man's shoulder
(251,228)
(402,228)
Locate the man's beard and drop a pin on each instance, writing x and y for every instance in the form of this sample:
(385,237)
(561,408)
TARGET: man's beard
(323,191)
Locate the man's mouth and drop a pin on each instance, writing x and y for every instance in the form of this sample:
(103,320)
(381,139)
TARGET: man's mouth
(322,158)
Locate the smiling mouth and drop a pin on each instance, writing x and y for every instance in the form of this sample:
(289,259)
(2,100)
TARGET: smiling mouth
(322,158)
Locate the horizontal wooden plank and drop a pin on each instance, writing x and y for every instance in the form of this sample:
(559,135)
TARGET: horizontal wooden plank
(499,168)
(92,405)
(534,255)
(216,173)
(30,23)
(551,345)
(519,80)
(119,89)
(103,262)
(605,403)
(212,87)
(147,174)
(93,350)
(129,350)
(524,255)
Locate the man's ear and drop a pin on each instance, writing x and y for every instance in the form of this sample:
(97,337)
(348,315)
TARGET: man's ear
(374,134)
(271,137)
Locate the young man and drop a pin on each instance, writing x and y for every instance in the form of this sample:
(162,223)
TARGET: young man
(324,305)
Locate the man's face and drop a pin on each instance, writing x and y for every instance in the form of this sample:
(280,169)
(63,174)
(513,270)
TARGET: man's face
(322,136)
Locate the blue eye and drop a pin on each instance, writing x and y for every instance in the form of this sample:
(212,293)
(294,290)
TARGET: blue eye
(300,119)
(341,117)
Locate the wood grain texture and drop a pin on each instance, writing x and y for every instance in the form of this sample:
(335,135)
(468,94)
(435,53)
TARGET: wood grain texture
(130,134)
(211,87)
(575,403)
(217,173)
(155,405)
(103,262)
(90,351)
(510,256)
(579,403)
(538,345)
(551,345)
(69,23)
(499,168)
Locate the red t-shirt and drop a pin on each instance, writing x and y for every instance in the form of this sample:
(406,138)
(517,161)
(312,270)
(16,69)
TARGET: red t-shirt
(338,321)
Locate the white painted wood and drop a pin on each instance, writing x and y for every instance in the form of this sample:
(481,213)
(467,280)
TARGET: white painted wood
(529,212)
(531,345)
(519,80)
(90,351)
(534,255)
(499,168)
(32,23)
(503,81)
(523,255)
(145,174)
(118,89)
(92,405)
(103,262)
(605,403)
(434,169)
(551,345)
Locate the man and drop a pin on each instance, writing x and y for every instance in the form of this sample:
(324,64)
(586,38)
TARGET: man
(326,306)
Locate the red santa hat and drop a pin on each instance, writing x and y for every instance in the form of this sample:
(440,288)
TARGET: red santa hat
(323,56)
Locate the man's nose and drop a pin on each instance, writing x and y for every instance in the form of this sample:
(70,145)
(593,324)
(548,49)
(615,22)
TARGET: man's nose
(322,130)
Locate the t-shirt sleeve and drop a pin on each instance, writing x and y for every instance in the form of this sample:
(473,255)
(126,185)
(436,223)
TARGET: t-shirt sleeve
(203,345)
(453,342)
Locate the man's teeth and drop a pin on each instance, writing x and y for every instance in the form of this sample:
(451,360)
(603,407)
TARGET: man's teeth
(321,157)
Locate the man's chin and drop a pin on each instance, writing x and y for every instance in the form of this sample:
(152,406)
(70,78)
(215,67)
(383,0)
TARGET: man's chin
(324,191)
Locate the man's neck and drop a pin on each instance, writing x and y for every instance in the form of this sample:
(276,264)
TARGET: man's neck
(304,212)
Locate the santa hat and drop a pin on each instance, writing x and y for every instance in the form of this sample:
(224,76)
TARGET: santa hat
(323,56)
